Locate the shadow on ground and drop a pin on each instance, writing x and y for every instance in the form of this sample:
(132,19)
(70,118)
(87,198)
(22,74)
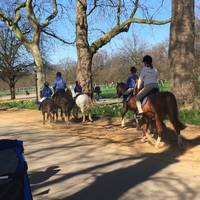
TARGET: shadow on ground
(112,185)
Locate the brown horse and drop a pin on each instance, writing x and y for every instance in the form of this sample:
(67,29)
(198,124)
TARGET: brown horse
(127,105)
(48,106)
(157,107)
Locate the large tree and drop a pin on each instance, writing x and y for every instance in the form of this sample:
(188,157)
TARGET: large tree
(181,49)
(87,49)
(37,25)
(14,61)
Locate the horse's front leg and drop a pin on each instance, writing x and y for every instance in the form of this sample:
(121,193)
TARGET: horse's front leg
(137,123)
(123,116)
(83,114)
(144,132)
(43,113)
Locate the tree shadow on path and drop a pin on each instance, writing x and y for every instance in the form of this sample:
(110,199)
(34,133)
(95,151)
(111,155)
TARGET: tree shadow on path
(112,185)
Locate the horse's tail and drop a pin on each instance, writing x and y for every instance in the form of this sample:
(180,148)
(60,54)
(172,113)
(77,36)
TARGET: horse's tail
(173,111)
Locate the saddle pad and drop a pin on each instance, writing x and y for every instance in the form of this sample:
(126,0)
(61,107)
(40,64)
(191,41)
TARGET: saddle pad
(144,100)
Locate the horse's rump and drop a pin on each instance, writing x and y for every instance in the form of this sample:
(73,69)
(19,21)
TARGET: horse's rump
(164,104)
(151,92)
(83,101)
(47,105)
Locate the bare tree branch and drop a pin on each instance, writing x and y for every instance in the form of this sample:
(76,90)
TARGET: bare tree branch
(57,37)
(13,26)
(31,15)
(93,8)
(52,16)
(162,2)
(118,12)
(122,28)
(136,3)
(17,12)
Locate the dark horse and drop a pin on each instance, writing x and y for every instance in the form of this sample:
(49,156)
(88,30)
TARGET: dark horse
(48,106)
(64,101)
(157,107)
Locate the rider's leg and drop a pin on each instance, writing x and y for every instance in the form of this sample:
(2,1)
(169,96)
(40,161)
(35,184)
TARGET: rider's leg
(128,91)
(141,94)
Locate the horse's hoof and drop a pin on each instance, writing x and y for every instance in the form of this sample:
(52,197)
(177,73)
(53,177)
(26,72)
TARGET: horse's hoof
(143,140)
(152,135)
(160,145)
(68,123)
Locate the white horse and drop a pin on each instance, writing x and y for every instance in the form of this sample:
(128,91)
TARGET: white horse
(84,102)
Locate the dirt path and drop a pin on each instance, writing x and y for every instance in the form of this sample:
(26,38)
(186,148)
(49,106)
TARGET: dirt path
(101,161)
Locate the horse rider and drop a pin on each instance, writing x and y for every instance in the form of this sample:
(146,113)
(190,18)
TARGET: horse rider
(77,88)
(46,91)
(148,77)
(131,81)
(59,83)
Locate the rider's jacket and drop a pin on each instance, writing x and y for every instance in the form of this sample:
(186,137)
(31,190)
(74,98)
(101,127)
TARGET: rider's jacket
(148,76)
(78,89)
(132,80)
(59,83)
(46,92)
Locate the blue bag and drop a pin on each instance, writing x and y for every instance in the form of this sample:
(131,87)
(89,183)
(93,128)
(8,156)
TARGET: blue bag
(14,182)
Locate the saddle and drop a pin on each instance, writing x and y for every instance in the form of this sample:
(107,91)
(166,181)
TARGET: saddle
(127,97)
(151,92)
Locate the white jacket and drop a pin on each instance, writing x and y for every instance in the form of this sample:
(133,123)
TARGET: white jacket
(147,76)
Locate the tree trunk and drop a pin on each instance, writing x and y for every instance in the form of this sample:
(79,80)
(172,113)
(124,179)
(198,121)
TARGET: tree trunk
(84,64)
(12,90)
(181,49)
(39,67)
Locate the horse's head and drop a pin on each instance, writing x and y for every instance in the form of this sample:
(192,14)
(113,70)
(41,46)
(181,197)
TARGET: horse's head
(121,88)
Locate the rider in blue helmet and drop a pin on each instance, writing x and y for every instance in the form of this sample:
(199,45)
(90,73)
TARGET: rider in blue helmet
(131,81)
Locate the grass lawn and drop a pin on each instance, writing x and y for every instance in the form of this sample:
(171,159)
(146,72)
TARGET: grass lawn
(112,110)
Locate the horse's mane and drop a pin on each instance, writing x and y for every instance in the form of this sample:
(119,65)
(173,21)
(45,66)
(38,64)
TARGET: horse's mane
(123,84)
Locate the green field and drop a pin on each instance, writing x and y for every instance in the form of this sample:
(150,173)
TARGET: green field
(106,91)
(110,91)
(18,91)
(111,110)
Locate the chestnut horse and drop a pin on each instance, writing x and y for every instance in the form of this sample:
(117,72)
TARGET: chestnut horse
(157,107)
(127,105)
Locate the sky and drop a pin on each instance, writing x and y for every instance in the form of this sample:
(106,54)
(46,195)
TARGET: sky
(149,33)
